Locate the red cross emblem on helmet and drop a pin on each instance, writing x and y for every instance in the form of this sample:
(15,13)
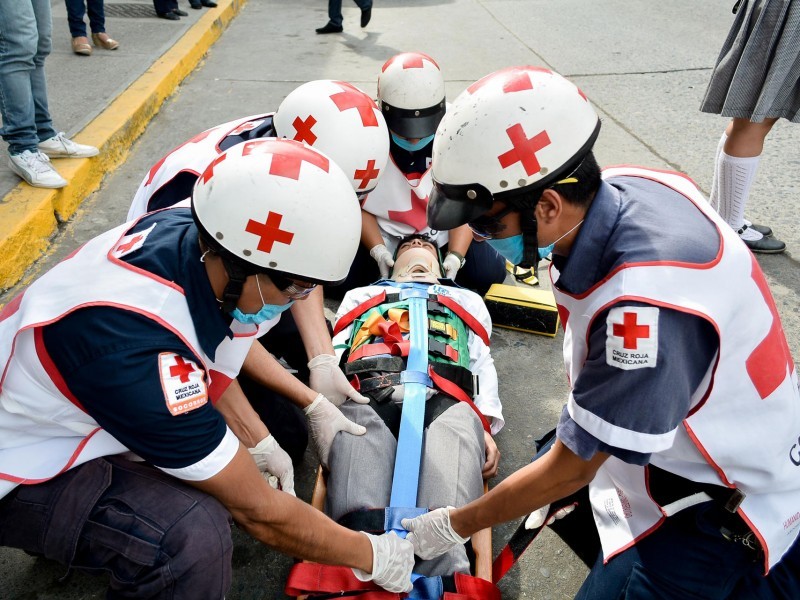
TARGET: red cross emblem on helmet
(286,161)
(351,97)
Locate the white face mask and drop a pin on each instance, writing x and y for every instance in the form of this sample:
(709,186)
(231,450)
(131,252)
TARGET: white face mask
(416,264)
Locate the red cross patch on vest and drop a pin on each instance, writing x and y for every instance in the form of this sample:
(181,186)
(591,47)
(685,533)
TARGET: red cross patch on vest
(183,383)
(632,337)
(131,242)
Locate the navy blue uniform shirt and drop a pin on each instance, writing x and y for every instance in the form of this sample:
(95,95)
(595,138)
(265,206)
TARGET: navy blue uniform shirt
(108,357)
(634,220)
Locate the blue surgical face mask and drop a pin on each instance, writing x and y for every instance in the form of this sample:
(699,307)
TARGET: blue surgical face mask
(512,248)
(267,312)
(406,145)
(545,252)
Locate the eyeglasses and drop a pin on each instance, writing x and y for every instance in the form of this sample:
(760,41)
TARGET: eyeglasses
(488,226)
(292,289)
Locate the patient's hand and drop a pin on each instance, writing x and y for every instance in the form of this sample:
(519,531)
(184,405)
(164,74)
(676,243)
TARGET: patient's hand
(492,457)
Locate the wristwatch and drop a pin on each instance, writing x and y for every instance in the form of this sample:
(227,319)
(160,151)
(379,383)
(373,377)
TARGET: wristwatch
(461,259)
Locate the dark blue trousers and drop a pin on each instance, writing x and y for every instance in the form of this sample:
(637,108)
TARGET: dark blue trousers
(75,12)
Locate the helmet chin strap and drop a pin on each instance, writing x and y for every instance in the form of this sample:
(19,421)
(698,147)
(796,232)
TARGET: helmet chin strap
(237,275)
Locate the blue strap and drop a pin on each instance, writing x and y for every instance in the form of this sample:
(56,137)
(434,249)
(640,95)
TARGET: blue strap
(393,515)
(405,479)
(416,377)
(427,588)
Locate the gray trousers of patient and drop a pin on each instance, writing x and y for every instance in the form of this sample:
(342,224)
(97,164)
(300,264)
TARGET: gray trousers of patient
(453,455)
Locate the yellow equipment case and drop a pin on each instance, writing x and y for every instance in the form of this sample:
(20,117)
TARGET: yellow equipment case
(522,308)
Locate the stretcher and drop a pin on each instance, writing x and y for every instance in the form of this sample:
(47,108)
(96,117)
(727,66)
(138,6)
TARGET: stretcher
(480,551)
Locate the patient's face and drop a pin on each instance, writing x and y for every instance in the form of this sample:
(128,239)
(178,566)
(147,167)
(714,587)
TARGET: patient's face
(417,260)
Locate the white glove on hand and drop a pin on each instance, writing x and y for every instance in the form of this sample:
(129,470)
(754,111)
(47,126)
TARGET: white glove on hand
(451,264)
(274,463)
(328,379)
(432,534)
(537,517)
(383,257)
(324,422)
(392,562)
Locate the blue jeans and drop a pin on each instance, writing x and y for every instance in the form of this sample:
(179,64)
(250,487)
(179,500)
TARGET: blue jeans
(75,12)
(335,10)
(25,34)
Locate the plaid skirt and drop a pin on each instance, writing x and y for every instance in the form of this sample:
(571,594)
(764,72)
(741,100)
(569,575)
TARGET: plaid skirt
(757,75)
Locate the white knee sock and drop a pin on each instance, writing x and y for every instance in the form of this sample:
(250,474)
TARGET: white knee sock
(735,176)
(713,199)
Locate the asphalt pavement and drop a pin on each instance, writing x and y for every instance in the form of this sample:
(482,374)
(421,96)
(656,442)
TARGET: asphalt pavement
(644,65)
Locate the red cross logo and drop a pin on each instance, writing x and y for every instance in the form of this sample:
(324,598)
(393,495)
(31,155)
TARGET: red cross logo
(354,98)
(122,248)
(303,129)
(209,172)
(524,150)
(771,362)
(287,156)
(630,331)
(246,126)
(269,232)
(514,79)
(181,369)
(414,216)
(410,61)
(154,169)
(367,174)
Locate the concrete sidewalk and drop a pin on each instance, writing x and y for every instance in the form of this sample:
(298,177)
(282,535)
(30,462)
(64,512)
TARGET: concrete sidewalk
(105,100)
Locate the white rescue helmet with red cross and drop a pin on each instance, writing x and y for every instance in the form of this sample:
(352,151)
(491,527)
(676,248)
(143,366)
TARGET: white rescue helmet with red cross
(517,129)
(343,122)
(411,94)
(278,205)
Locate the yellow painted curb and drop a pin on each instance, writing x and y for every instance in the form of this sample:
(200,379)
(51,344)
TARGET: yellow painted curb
(29,216)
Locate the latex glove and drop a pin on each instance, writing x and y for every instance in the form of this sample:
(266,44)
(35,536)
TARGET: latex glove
(392,561)
(328,379)
(432,534)
(537,517)
(274,463)
(381,255)
(451,264)
(324,422)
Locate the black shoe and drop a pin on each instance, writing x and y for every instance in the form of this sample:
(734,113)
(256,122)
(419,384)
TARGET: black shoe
(169,16)
(765,245)
(208,3)
(180,13)
(366,15)
(196,5)
(330,28)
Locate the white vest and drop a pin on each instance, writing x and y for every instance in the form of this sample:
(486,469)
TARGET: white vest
(193,156)
(42,432)
(739,433)
(401,205)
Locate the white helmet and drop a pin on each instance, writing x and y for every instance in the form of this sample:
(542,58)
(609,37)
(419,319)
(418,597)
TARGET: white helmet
(341,121)
(411,94)
(518,129)
(275,205)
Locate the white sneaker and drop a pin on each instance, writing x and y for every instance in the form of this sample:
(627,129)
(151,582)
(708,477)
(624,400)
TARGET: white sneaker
(60,146)
(35,168)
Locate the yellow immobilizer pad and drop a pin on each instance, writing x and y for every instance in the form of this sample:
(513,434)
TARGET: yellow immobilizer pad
(522,308)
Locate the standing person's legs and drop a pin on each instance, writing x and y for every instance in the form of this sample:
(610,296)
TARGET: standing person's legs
(452,459)
(44,24)
(18,49)
(335,12)
(735,169)
(97,15)
(156,536)
(75,12)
